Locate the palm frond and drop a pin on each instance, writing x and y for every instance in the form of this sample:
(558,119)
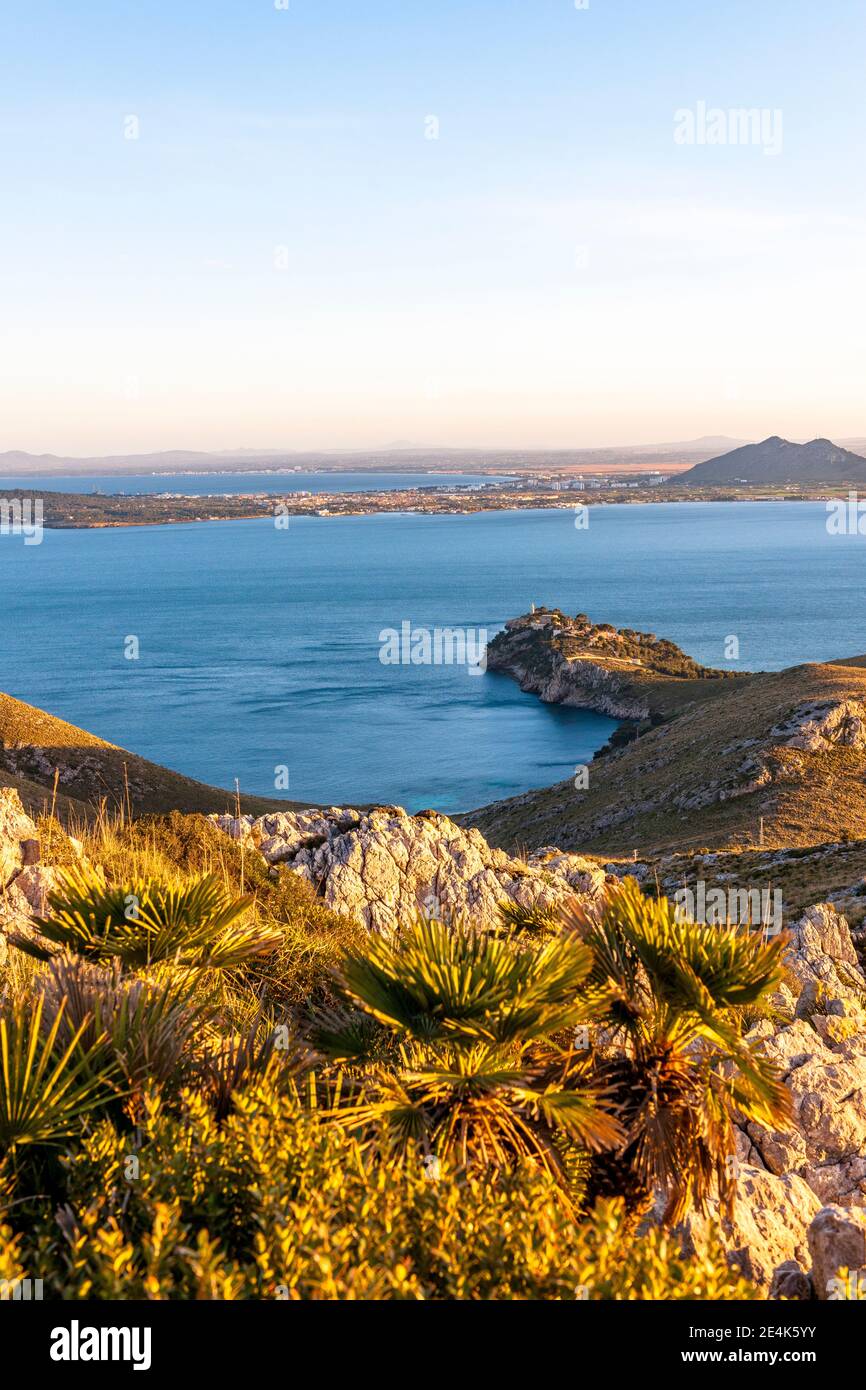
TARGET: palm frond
(45,1086)
(241,1058)
(436,982)
(142,923)
(149,1028)
(690,964)
(534,921)
(477,1105)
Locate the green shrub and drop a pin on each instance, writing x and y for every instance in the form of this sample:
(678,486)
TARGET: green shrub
(278,1203)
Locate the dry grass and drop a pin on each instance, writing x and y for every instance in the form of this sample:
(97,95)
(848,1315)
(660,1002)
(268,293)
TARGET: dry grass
(173,850)
(638,797)
(833,872)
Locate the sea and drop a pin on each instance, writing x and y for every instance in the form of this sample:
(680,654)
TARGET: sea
(213,484)
(239,650)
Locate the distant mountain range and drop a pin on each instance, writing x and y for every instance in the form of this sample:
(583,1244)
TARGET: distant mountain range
(173,460)
(399,455)
(777,460)
(711,459)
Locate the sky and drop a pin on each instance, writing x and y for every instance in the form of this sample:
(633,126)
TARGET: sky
(478,223)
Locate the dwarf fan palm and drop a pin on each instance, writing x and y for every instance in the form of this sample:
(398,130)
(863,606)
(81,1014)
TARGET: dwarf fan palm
(675,1057)
(438,983)
(141,923)
(238,1059)
(477,1077)
(148,1027)
(46,1084)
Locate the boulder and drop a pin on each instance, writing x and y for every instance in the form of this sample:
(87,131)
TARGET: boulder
(19,838)
(837,1241)
(34,883)
(791,1282)
(769,1225)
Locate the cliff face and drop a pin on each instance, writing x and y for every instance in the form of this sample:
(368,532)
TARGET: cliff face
(617,672)
(583,683)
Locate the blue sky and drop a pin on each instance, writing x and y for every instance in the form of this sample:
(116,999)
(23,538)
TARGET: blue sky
(282,258)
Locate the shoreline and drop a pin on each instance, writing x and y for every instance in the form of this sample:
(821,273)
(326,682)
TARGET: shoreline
(70,511)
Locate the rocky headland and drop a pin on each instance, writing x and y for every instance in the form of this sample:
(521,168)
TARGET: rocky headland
(613,671)
(766,759)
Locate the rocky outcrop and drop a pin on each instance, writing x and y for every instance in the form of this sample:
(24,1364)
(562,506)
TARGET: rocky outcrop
(580,683)
(816,727)
(800,1191)
(530,651)
(769,1226)
(822,1056)
(19,839)
(25,881)
(825,976)
(383,866)
(826,1142)
(837,1242)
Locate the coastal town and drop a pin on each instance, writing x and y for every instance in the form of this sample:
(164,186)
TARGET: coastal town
(61,510)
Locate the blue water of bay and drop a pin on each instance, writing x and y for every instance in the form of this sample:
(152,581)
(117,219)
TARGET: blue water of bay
(259,648)
(222,484)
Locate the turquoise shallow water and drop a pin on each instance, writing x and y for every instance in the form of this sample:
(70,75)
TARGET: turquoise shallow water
(259,648)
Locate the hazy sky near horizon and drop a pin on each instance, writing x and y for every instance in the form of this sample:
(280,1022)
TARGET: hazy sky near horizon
(453,222)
